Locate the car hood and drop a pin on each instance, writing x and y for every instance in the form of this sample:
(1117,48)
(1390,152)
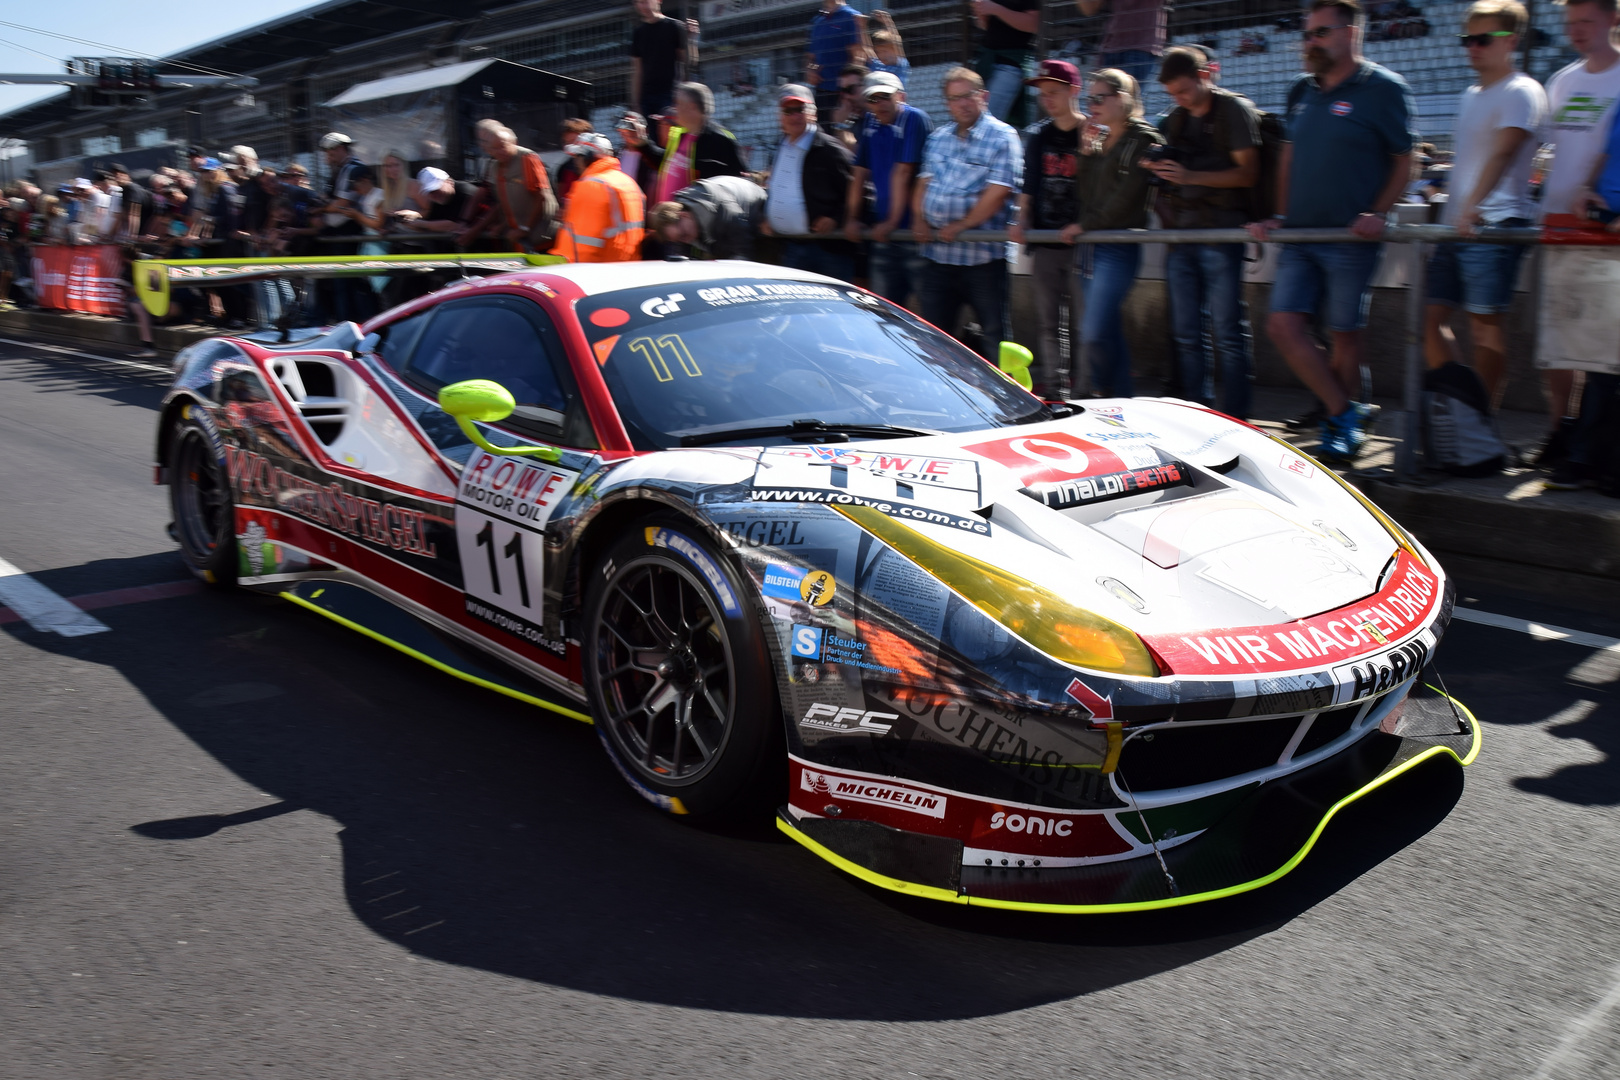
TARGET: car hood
(1162,516)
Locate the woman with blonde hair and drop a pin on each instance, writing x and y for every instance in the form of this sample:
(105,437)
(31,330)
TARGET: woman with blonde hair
(396,183)
(1112,191)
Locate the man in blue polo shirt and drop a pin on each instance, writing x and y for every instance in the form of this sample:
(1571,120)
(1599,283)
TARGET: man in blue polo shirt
(1347,159)
(837,37)
(888,153)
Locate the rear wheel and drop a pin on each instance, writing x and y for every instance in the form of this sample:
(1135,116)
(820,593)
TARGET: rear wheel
(680,685)
(200,497)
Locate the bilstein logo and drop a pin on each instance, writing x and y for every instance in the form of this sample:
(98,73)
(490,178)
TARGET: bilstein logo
(851,789)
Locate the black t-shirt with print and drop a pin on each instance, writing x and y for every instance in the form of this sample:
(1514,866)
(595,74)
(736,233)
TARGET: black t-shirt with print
(1050,157)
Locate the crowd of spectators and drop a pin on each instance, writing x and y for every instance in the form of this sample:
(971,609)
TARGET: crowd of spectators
(856,166)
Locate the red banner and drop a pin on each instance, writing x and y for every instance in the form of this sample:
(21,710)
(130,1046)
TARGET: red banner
(79,278)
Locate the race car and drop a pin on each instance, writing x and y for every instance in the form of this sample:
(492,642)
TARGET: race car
(769,532)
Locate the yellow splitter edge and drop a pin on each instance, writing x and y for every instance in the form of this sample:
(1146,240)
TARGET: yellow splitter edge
(932,892)
(155,279)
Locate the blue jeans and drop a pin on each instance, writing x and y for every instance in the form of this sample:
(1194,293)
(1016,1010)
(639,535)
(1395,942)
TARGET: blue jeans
(835,258)
(1478,278)
(1107,272)
(896,270)
(1343,272)
(1005,86)
(943,289)
(1209,278)
(1137,63)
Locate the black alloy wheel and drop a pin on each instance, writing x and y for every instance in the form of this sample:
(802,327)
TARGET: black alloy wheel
(200,497)
(681,691)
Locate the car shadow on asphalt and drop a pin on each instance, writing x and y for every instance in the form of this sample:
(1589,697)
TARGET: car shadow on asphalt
(1515,693)
(482,832)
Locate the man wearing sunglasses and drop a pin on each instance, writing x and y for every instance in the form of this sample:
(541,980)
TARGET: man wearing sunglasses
(1490,185)
(809,178)
(887,158)
(1347,158)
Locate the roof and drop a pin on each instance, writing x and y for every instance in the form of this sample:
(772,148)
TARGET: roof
(597,278)
(303,35)
(412,82)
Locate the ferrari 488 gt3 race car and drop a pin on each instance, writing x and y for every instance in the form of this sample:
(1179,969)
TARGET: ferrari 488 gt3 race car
(762,526)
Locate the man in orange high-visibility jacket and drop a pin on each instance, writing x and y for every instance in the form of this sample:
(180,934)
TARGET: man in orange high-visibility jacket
(603,219)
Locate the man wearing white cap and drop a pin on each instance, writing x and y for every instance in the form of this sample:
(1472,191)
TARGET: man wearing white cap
(888,153)
(603,218)
(445,204)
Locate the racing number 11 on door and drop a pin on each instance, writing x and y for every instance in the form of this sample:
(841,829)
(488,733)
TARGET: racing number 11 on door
(502,507)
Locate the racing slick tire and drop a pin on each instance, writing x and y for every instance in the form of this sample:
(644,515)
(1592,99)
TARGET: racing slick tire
(200,499)
(679,674)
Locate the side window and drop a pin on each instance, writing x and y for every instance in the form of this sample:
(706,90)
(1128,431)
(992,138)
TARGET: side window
(504,338)
(398,338)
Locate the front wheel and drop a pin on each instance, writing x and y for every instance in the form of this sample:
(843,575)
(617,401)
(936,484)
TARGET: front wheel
(679,674)
(200,497)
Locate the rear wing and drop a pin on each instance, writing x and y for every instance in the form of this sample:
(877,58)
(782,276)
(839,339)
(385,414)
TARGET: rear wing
(156,278)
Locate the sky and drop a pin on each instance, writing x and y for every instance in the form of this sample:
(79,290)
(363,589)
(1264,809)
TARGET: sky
(124,29)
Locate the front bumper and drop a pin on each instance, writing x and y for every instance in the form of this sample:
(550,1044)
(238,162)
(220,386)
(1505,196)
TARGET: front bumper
(1267,831)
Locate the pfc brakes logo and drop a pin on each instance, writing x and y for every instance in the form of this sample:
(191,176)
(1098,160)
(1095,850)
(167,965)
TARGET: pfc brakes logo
(659,306)
(876,792)
(1033,824)
(834,718)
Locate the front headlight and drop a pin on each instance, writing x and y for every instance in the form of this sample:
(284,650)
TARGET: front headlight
(1045,620)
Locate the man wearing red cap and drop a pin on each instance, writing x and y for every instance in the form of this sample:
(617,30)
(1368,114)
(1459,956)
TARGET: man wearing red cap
(1048,202)
(603,219)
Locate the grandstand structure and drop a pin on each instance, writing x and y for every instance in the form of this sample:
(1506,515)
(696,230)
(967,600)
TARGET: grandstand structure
(747,48)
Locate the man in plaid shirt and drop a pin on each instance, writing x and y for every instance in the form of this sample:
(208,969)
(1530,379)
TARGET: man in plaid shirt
(971,170)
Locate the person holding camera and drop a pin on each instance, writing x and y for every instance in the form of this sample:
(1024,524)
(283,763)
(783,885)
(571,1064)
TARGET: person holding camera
(1113,194)
(1206,172)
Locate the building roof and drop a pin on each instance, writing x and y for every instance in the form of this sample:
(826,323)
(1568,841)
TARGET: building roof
(302,35)
(411,82)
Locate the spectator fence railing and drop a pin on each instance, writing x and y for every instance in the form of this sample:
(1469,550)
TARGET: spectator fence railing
(1423,237)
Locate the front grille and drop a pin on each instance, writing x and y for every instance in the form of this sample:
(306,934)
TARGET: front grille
(1175,756)
(1326,727)
(1172,757)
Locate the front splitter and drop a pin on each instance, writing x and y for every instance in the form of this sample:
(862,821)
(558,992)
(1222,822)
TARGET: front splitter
(1264,837)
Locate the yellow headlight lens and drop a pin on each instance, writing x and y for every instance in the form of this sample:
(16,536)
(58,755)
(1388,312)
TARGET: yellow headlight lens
(1045,620)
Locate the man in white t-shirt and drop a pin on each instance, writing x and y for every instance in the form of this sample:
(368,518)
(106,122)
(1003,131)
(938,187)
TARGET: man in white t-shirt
(1490,185)
(1580,111)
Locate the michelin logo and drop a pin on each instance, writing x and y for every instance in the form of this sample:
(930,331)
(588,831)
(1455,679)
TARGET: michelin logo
(682,545)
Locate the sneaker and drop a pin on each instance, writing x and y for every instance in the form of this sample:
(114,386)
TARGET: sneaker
(1556,448)
(1307,420)
(1568,476)
(1344,435)
(147,353)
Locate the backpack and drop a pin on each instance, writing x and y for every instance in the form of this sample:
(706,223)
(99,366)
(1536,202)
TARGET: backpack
(1260,201)
(1459,435)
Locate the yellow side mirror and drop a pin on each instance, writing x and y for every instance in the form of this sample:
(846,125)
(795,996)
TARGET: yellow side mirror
(487,402)
(1014,363)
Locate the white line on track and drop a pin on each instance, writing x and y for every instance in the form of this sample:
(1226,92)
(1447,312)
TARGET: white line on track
(1569,1047)
(43,609)
(159,368)
(1539,631)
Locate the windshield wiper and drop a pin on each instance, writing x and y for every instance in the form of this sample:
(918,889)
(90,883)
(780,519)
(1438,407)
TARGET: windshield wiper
(806,429)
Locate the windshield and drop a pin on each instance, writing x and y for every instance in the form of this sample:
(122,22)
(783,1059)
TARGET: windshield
(692,361)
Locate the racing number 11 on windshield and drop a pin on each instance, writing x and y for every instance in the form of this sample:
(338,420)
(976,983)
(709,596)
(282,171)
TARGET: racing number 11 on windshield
(653,349)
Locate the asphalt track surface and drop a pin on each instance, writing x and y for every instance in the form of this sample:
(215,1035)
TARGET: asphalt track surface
(239,841)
